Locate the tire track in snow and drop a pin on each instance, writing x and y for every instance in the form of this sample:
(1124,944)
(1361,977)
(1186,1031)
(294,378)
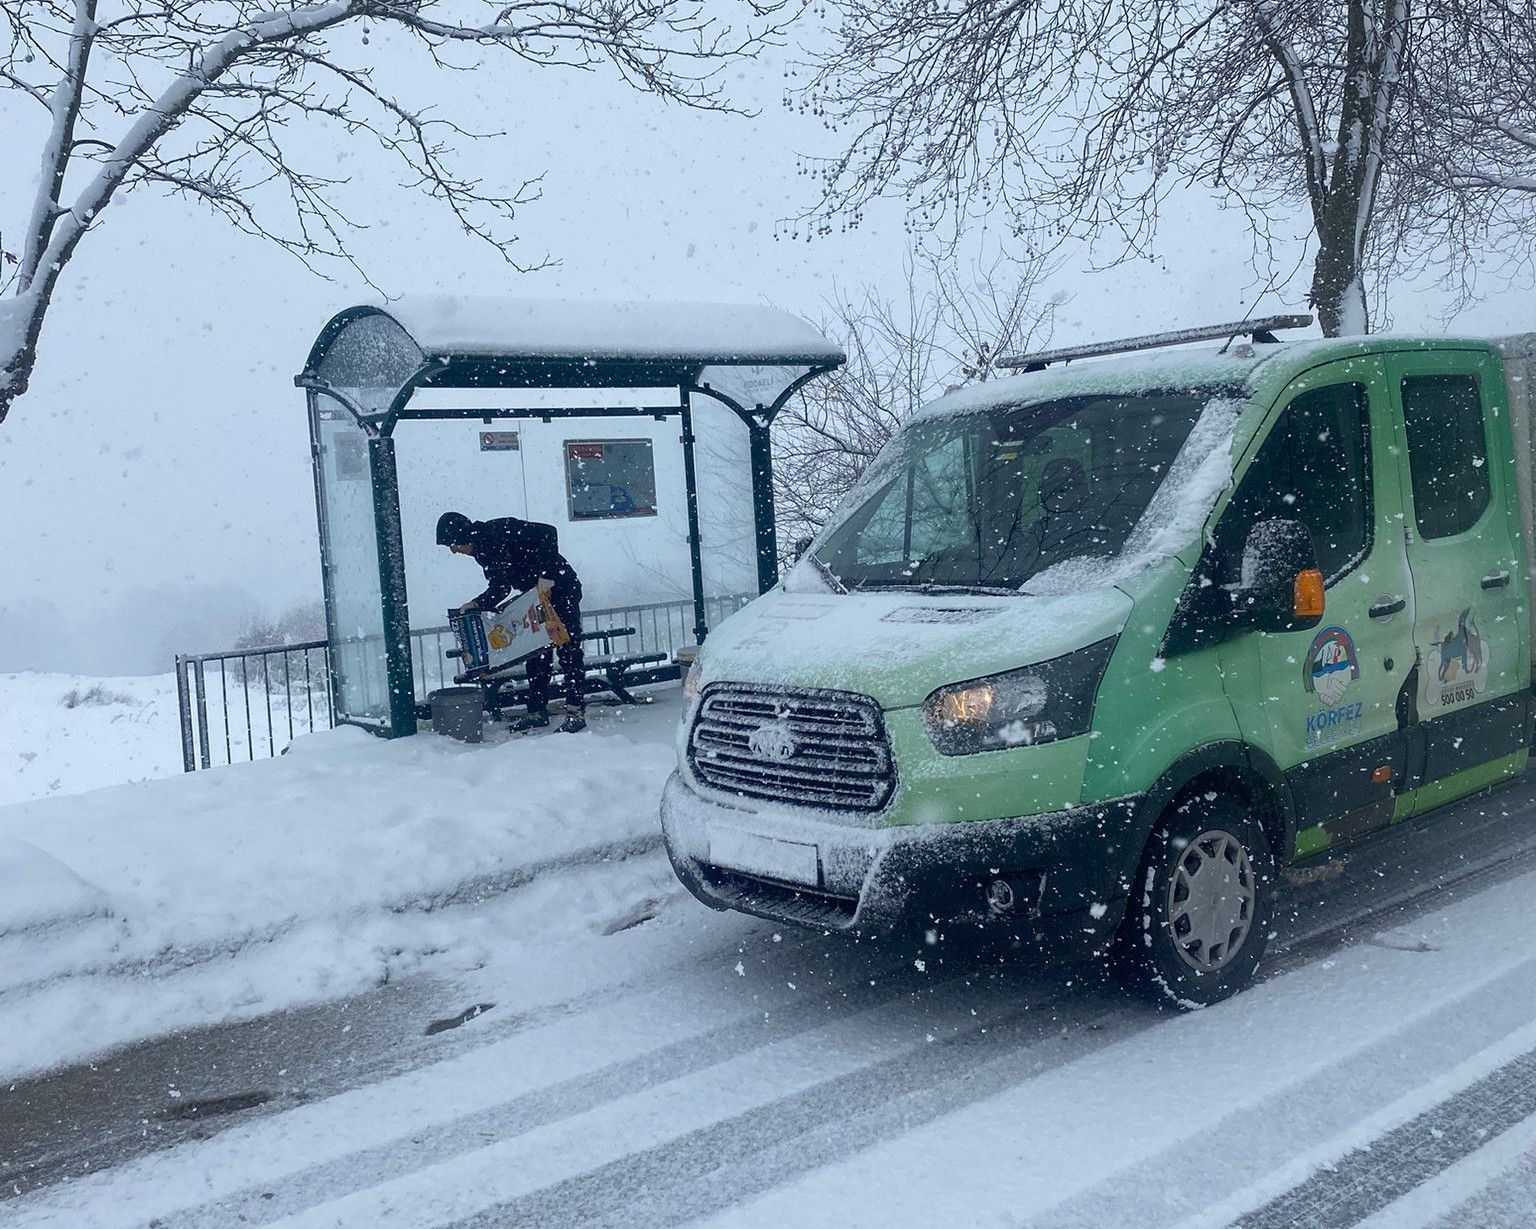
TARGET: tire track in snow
(1368,1179)
(1194,1175)
(715,1167)
(566,1099)
(1494,1188)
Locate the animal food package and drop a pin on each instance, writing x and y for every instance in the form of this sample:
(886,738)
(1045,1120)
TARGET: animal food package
(489,640)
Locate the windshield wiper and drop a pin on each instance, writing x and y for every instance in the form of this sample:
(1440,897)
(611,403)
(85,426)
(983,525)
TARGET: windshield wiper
(930,587)
(827,574)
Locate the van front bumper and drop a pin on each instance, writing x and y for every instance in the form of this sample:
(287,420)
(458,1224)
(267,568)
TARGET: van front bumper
(1067,873)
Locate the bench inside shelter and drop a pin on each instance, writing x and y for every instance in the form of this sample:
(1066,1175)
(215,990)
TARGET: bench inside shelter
(607,673)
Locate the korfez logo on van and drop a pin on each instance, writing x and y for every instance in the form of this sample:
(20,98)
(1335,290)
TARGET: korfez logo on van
(1330,667)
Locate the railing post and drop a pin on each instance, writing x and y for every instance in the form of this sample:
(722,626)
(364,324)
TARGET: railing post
(204,759)
(184,704)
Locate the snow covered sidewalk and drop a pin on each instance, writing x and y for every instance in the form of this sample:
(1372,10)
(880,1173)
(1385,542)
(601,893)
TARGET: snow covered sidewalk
(138,908)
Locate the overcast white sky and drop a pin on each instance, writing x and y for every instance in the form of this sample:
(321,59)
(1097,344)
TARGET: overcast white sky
(155,482)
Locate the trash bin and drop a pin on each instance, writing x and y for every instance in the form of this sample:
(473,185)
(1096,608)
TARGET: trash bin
(459,712)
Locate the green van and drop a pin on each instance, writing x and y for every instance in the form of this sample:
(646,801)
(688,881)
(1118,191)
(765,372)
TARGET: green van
(1090,653)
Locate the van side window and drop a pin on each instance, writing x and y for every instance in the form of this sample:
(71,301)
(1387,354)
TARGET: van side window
(1447,453)
(1314,467)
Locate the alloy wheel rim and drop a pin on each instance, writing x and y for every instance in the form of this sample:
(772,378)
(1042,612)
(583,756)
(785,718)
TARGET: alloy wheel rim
(1211,898)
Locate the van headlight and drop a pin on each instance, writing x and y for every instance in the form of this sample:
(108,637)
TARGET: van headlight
(1020,708)
(691,684)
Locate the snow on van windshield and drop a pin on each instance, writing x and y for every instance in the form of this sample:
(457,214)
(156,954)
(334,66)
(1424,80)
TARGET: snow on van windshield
(1047,497)
(1173,517)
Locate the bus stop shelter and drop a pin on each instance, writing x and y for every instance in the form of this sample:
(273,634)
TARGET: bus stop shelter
(368,362)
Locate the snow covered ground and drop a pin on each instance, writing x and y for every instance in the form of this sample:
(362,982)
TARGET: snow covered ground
(714,1070)
(244,889)
(68,733)
(516,1017)
(64,733)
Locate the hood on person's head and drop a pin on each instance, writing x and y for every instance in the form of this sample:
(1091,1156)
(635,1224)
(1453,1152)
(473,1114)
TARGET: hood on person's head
(453,529)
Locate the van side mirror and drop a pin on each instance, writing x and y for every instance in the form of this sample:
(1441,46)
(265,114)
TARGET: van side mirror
(1281,588)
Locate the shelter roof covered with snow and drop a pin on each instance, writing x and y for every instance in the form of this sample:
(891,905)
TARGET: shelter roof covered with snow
(561,328)
(451,341)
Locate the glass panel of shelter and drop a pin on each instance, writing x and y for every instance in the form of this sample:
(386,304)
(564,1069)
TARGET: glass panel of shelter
(350,537)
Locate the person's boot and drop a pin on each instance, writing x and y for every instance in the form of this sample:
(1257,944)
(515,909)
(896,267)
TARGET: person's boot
(533,719)
(575,722)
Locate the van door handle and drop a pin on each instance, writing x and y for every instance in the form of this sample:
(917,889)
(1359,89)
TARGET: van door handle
(1387,604)
(1495,580)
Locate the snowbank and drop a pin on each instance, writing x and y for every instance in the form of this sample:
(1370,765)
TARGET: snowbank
(295,879)
(38,890)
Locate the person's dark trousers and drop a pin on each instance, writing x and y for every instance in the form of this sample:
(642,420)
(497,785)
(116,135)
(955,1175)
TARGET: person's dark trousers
(565,597)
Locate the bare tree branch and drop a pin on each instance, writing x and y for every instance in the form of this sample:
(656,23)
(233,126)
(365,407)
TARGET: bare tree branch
(201,98)
(1403,130)
(947,331)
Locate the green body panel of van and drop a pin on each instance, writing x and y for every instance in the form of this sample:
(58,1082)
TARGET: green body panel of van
(1152,710)
(936,789)
(1468,781)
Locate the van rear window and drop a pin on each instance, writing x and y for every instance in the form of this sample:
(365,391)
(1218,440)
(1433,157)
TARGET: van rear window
(1447,453)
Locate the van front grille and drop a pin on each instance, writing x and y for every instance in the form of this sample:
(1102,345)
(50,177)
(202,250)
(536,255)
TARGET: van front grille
(825,749)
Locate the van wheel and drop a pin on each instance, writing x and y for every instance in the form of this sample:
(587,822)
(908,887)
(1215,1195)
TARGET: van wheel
(1199,914)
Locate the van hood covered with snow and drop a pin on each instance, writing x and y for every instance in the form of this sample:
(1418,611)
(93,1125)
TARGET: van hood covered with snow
(898,647)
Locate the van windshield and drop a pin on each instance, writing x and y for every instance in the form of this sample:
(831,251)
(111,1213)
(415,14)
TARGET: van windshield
(989,500)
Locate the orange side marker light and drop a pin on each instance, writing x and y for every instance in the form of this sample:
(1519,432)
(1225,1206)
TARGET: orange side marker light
(1309,594)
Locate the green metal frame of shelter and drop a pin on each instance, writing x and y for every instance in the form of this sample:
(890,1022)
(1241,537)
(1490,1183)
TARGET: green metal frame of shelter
(371,360)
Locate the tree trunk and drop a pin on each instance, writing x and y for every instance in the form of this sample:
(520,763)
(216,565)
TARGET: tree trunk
(21,323)
(1338,293)
(1343,209)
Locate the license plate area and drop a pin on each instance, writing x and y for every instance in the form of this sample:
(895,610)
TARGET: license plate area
(765,857)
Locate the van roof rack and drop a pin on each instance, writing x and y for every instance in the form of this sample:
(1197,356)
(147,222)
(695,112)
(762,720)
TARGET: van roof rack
(1261,330)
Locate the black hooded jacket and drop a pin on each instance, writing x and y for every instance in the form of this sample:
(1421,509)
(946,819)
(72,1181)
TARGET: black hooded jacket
(513,554)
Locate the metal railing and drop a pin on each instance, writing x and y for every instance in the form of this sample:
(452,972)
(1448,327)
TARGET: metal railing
(243,723)
(249,704)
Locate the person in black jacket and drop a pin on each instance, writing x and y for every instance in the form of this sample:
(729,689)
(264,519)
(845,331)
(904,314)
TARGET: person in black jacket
(515,554)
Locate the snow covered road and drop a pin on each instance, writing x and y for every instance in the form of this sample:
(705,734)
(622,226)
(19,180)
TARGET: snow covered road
(712,1069)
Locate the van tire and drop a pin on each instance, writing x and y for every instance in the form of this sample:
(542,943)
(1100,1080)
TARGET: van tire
(1188,942)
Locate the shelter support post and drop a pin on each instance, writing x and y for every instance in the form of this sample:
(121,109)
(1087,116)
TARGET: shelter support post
(397,619)
(695,552)
(762,501)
